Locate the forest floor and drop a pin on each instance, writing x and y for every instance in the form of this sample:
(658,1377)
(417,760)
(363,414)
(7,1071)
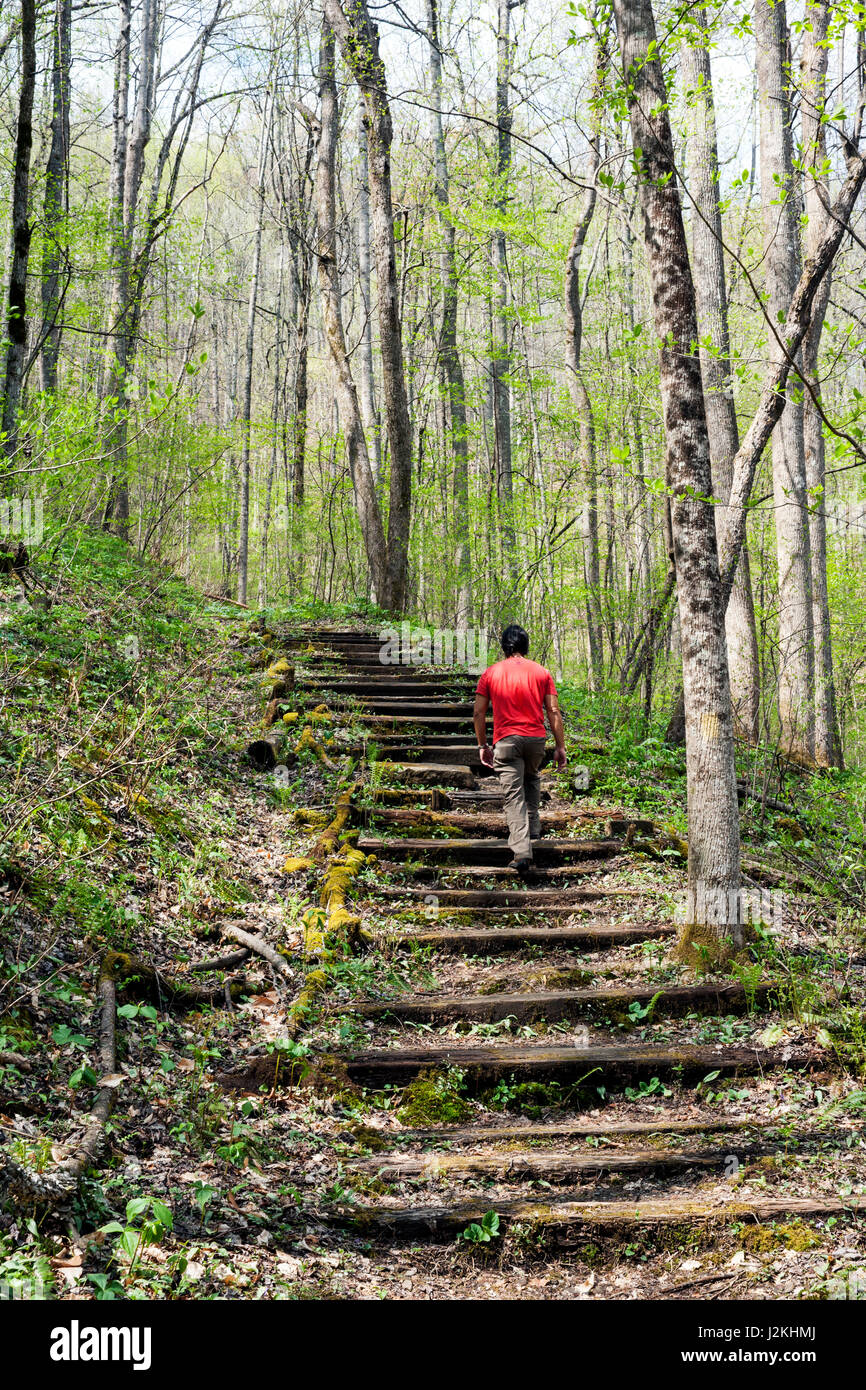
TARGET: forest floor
(133,822)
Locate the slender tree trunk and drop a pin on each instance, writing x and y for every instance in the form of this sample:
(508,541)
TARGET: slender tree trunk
(127,168)
(366,378)
(714,840)
(782,269)
(352,426)
(16,313)
(359,42)
(55,205)
(249,353)
(712,309)
(581,398)
(449,355)
(792,333)
(817,202)
(501,358)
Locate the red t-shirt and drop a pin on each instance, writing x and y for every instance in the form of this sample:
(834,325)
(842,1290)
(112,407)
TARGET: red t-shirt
(517,687)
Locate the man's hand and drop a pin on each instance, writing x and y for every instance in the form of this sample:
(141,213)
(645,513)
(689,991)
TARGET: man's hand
(486,755)
(554,719)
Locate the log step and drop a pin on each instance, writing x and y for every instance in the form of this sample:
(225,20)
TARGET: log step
(555,1005)
(488,851)
(427,774)
(592,1066)
(524,900)
(574,1130)
(489,941)
(549,1166)
(569,1218)
(464,875)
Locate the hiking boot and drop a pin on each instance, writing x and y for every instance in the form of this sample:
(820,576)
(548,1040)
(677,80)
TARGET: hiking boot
(523,865)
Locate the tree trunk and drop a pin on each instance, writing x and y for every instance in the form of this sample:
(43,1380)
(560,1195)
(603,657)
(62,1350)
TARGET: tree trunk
(448,352)
(791,334)
(782,269)
(363,482)
(249,354)
(817,201)
(581,399)
(500,365)
(127,168)
(359,41)
(55,205)
(712,917)
(366,379)
(712,310)
(16,314)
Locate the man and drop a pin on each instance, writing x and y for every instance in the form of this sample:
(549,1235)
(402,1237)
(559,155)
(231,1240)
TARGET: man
(522,692)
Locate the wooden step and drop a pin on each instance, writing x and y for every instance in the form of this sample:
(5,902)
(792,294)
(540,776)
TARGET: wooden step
(427,774)
(417,709)
(555,1005)
(404,685)
(592,1066)
(549,1166)
(575,1130)
(523,900)
(446,722)
(490,941)
(567,1217)
(482,852)
(490,823)
(449,876)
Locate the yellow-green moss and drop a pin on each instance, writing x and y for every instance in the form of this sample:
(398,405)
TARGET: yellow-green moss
(433,1099)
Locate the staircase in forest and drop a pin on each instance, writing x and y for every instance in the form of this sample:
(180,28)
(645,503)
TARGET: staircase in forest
(542,1004)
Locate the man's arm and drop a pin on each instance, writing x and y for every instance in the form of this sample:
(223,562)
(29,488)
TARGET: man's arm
(479,719)
(557,728)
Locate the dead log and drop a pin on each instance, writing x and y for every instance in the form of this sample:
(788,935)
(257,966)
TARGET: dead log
(269,749)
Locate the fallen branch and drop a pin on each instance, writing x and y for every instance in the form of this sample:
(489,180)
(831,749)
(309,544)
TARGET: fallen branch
(262,948)
(227,962)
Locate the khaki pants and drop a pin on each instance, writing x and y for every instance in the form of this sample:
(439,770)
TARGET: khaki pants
(516,761)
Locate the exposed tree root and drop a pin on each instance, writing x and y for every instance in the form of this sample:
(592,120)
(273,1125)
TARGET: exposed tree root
(24,1184)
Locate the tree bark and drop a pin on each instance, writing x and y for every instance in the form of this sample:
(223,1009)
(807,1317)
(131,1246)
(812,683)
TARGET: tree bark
(715,352)
(449,355)
(580,395)
(16,313)
(55,205)
(127,168)
(352,426)
(359,42)
(791,335)
(712,917)
(782,264)
(249,353)
(817,201)
(500,365)
(366,379)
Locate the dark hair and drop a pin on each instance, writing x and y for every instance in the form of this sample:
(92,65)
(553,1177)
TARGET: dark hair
(514,639)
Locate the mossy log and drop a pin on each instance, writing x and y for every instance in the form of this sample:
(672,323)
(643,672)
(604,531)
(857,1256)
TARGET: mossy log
(269,748)
(138,980)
